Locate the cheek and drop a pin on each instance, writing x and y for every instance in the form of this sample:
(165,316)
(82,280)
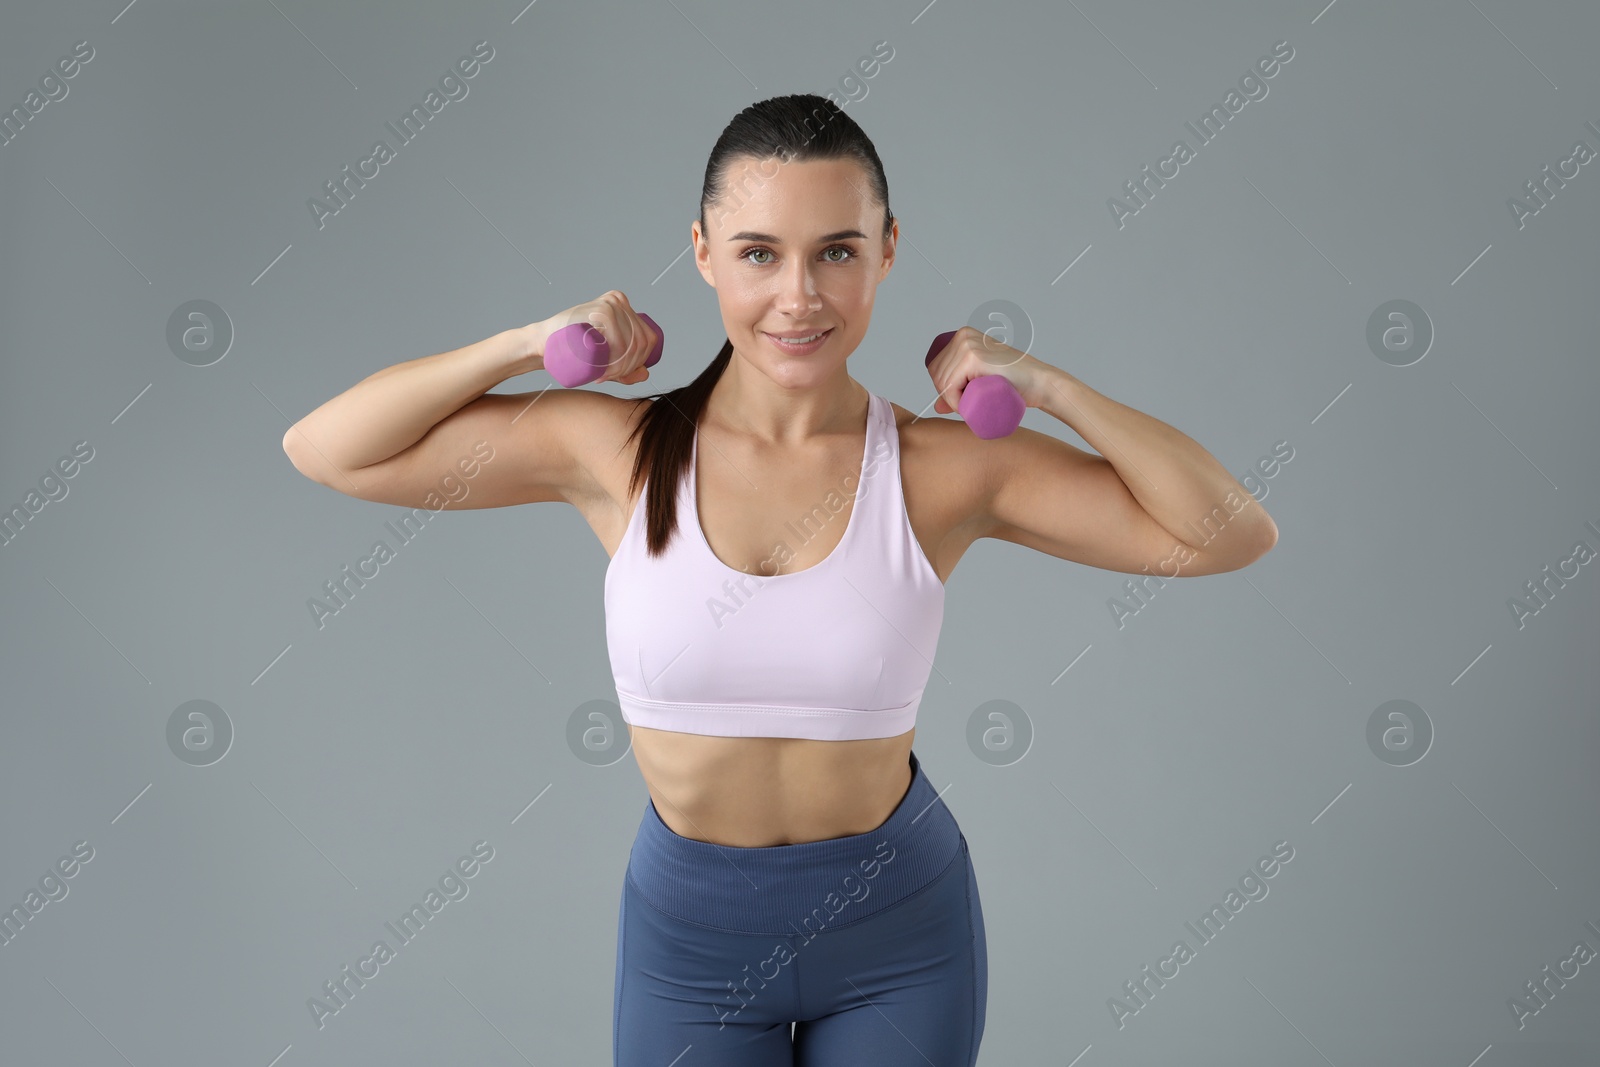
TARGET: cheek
(741,291)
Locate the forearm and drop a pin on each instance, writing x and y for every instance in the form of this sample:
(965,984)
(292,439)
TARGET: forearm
(1175,480)
(392,409)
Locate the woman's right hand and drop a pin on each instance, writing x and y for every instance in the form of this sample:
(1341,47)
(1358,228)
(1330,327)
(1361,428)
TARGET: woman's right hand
(629,338)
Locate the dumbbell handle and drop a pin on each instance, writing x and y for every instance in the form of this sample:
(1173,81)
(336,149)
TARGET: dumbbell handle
(990,405)
(578,354)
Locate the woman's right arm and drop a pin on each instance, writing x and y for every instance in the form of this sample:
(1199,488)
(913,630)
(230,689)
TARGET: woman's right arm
(406,433)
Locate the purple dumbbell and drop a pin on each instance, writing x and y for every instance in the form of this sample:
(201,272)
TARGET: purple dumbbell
(578,354)
(991,405)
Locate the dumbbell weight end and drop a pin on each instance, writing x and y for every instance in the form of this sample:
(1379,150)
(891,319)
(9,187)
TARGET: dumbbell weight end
(578,354)
(990,405)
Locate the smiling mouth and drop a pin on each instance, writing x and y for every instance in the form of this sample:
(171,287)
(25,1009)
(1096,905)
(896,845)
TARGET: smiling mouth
(801,339)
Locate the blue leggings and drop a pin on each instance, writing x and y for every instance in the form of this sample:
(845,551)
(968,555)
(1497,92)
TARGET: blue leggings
(872,945)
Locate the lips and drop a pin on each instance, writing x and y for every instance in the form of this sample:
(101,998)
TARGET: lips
(819,338)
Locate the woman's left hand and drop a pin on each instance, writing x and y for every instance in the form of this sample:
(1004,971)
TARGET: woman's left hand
(973,354)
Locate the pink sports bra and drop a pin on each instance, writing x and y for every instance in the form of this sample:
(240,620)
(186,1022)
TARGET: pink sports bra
(838,651)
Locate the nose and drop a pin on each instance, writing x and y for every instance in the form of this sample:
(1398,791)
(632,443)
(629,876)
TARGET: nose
(797,292)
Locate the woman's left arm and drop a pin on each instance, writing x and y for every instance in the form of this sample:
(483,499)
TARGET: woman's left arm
(1152,499)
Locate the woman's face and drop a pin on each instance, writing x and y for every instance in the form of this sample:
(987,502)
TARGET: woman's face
(793,249)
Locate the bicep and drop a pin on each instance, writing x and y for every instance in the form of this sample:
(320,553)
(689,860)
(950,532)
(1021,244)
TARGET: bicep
(498,450)
(1043,493)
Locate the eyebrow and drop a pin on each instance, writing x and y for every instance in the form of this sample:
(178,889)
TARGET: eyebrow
(751,235)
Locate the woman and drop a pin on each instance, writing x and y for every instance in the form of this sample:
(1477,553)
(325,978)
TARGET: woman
(797,892)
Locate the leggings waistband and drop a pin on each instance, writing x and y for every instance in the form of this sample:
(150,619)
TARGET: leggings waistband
(783,889)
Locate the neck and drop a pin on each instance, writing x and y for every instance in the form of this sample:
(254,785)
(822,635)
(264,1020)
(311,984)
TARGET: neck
(749,402)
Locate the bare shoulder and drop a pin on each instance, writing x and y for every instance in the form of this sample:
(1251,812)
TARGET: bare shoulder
(604,447)
(607,449)
(942,473)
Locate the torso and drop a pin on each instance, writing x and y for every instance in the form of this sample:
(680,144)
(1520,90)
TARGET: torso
(760,791)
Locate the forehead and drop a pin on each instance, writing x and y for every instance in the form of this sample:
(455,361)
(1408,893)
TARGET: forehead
(792,198)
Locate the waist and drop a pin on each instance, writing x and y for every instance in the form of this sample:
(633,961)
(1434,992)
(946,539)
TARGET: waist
(787,889)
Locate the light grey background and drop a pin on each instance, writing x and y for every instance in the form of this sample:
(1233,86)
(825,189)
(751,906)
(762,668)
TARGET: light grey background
(1229,714)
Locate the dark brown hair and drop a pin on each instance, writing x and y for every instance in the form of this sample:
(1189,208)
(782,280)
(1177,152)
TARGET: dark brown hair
(793,128)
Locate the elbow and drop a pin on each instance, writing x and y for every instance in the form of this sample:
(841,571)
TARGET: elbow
(291,440)
(1242,559)
(1269,540)
(293,447)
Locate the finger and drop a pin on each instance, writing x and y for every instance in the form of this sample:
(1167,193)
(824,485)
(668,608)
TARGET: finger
(951,394)
(649,341)
(945,402)
(933,376)
(634,344)
(622,338)
(641,341)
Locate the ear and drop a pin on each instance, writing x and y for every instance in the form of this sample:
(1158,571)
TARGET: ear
(702,253)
